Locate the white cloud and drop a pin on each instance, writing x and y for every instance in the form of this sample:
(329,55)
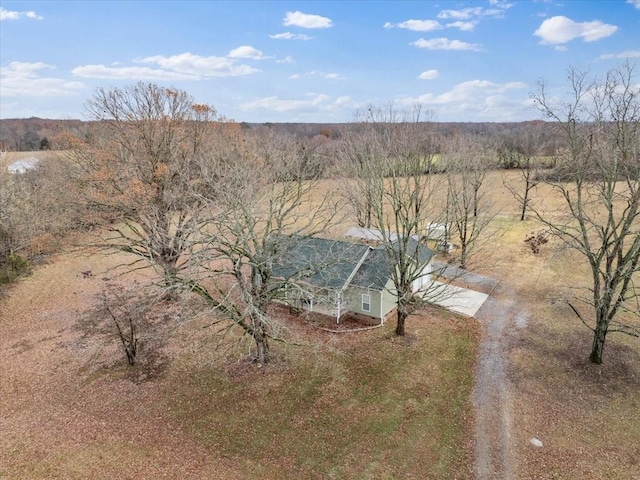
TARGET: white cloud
(469,90)
(277,104)
(430,25)
(463,14)
(295,76)
(313,103)
(329,76)
(287,59)
(416,25)
(560,29)
(429,75)
(127,73)
(21,78)
(185,66)
(622,55)
(14,15)
(246,51)
(446,44)
(475,99)
(464,26)
(304,20)
(635,3)
(190,64)
(290,36)
(476,12)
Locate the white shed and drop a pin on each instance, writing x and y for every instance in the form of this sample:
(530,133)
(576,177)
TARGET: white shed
(436,231)
(21,166)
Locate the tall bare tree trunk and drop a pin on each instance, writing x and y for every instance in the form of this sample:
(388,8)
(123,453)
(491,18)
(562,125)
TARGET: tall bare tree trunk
(402,316)
(599,336)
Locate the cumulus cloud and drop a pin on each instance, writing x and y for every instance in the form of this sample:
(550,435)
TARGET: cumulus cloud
(290,36)
(446,44)
(416,25)
(246,51)
(21,78)
(126,73)
(622,55)
(635,3)
(188,63)
(185,66)
(278,104)
(462,14)
(315,73)
(429,75)
(313,103)
(14,15)
(287,59)
(476,12)
(475,99)
(304,20)
(460,25)
(560,29)
(430,25)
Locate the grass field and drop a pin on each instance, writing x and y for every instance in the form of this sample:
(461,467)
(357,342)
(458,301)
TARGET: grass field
(364,406)
(347,406)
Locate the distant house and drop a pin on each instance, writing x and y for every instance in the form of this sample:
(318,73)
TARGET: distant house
(22,166)
(338,278)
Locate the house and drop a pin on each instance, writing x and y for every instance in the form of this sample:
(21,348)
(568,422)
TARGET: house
(338,278)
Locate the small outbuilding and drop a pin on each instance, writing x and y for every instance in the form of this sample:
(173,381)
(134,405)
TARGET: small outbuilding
(436,231)
(23,165)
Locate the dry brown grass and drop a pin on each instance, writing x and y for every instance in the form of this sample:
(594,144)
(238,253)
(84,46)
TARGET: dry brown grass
(587,416)
(345,407)
(70,409)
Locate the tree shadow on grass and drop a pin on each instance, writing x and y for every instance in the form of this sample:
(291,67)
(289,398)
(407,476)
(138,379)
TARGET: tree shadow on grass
(99,343)
(567,355)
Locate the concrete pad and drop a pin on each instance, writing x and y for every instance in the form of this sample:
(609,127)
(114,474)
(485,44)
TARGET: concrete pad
(457,299)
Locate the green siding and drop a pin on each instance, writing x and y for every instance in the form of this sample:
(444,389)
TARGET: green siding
(388,301)
(354,297)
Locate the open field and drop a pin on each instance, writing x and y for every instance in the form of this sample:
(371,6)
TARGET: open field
(348,406)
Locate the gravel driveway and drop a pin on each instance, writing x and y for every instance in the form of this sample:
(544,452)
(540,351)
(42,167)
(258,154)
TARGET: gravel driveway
(499,315)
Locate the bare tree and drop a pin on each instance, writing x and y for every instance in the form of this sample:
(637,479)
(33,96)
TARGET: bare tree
(390,189)
(141,171)
(263,201)
(33,217)
(470,207)
(521,152)
(598,180)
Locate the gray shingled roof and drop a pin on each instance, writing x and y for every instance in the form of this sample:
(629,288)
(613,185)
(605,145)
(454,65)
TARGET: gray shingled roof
(330,263)
(319,261)
(376,271)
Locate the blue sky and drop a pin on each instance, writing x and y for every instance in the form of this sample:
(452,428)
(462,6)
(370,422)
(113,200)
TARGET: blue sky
(261,61)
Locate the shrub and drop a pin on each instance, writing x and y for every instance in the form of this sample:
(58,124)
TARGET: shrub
(12,267)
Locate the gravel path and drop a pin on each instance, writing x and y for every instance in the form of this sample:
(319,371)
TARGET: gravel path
(493,456)
(499,315)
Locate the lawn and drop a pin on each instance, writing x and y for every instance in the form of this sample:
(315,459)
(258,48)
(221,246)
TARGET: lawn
(366,405)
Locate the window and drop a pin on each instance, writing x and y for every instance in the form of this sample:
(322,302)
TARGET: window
(366,302)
